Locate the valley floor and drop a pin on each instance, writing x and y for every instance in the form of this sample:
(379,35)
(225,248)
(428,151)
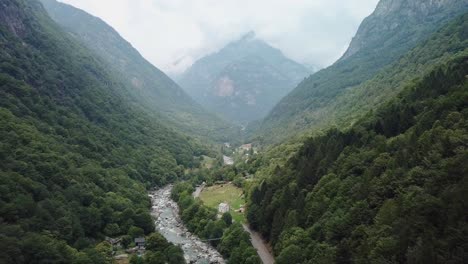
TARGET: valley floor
(213,195)
(169,224)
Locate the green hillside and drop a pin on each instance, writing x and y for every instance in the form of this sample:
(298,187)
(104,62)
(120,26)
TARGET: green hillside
(146,85)
(76,155)
(333,96)
(391,188)
(363,162)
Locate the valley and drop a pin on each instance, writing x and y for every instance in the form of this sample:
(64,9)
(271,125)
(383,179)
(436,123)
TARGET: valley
(246,156)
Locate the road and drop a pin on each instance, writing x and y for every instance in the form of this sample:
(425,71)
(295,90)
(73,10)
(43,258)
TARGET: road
(198,190)
(260,246)
(257,241)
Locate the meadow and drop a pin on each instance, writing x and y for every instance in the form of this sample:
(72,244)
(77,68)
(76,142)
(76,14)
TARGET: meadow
(214,195)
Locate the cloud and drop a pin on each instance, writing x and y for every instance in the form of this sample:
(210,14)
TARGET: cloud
(172,34)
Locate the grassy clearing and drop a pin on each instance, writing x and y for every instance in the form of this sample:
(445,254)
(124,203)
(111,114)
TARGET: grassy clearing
(214,195)
(123,261)
(208,162)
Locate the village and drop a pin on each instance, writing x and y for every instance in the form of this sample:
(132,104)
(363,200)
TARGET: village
(224,196)
(242,153)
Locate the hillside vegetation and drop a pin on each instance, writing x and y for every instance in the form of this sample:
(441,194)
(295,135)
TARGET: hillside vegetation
(76,155)
(147,86)
(341,94)
(390,189)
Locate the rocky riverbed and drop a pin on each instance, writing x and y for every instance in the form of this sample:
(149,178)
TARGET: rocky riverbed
(169,224)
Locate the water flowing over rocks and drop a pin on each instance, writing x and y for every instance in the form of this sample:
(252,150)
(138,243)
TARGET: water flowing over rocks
(169,224)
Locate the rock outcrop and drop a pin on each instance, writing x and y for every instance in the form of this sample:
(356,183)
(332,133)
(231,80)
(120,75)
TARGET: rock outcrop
(401,18)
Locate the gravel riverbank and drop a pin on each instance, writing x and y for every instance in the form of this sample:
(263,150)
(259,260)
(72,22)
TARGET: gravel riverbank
(166,213)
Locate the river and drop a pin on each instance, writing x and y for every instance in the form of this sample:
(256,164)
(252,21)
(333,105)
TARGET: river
(169,224)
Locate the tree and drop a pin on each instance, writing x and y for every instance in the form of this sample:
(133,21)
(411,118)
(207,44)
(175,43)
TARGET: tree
(135,232)
(291,254)
(112,229)
(227,218)
(156,242)
(136,260)
(144,221)
(126,240)
(154,258)
(105,249)
(174,254)
(323,253)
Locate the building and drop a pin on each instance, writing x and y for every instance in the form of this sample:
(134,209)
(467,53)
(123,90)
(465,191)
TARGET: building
(140,242)
(246,147)
(241,209)
(223,208)
(228,160)
(115,242)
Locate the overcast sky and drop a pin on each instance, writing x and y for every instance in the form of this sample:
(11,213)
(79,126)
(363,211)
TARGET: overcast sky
(172,34)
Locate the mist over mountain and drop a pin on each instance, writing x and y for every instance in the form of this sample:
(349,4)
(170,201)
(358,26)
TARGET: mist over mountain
(148,86)
(243,80)
(104,159)
(326,98)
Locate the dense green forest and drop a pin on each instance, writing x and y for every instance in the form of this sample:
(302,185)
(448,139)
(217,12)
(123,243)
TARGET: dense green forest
(147,86)
(374,170)
(159,251)
(342,93)
(76,155)
(390,189)
(234,244)
(441,46)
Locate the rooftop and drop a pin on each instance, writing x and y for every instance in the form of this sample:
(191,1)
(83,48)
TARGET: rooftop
(139,239)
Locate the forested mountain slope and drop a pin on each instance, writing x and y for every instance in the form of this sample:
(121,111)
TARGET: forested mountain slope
(147,85)
(391,189)
(327,97)
(75,154)
(243,80)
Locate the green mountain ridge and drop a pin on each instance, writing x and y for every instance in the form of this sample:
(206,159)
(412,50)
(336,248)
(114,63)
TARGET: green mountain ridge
(391,188)
(77,155)
(147,85)
(327,98)
(363,162)
(243,80)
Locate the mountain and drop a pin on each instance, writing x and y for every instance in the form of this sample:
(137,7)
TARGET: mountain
(76,154)
(389,189)
(328,97)
(147,85)
(243,80)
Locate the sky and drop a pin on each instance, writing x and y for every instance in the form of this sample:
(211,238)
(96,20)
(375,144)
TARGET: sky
(173,34)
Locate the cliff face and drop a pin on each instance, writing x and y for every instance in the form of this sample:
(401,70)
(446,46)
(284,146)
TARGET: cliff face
(146,84)
(12,18)
(411,7)
(401,19)
(243,80)
(396,27)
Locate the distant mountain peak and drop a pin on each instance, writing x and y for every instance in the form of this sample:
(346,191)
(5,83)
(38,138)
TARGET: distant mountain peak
(243,80)
(390,32)
(400,19)
(411,7)
(251,35)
